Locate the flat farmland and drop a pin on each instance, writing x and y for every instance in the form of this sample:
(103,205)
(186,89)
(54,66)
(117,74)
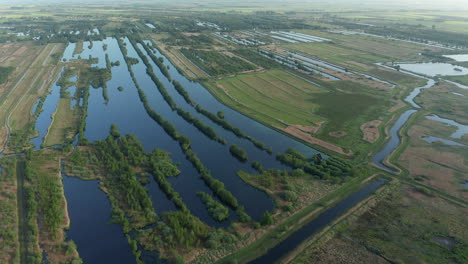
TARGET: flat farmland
(336,54)
(359,52)
(346,113)
(35,70)
(454,21)
(273,97)
(330,116)
(375,45)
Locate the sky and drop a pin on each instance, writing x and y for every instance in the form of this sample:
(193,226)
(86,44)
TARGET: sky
(402,4)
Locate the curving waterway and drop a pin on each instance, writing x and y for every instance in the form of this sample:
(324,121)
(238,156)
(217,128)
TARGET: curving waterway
(394,137)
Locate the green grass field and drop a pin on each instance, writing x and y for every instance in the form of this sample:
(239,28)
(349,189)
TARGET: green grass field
(346,113)
(359,52)
(280,99)
(273,97)
(64,125)
(454,21)
(463,79)
(339,55)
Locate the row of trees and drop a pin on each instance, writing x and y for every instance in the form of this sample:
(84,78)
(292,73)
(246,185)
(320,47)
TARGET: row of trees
(181,90)
(30,208)
(49,202)
(215,185)
(162,167)
(228,126)
(216,209)
(158,61)
(119,156)
(333,168)
(186,115)
(206,130)
(238,152)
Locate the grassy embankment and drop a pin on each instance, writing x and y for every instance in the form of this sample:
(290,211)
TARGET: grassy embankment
(395,231)
(283,229)
(66,118)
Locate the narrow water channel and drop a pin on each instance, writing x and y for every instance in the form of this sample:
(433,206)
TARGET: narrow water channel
(395,139)
(294,240)
(44,119)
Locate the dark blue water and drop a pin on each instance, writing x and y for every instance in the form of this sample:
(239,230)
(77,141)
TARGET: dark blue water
(295,239)
(44,119)
(215,156)
(270,137)
(126,111)
(89,210)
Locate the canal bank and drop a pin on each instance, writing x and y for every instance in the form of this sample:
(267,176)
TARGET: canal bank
(279,234)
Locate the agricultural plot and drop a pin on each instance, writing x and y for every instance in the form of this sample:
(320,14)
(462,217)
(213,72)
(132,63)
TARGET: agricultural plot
(329,116)
(361,52)
(294,37)
(448,21)
(339,55)
(36,68)
(215,63)
(346,113)
(274,97)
